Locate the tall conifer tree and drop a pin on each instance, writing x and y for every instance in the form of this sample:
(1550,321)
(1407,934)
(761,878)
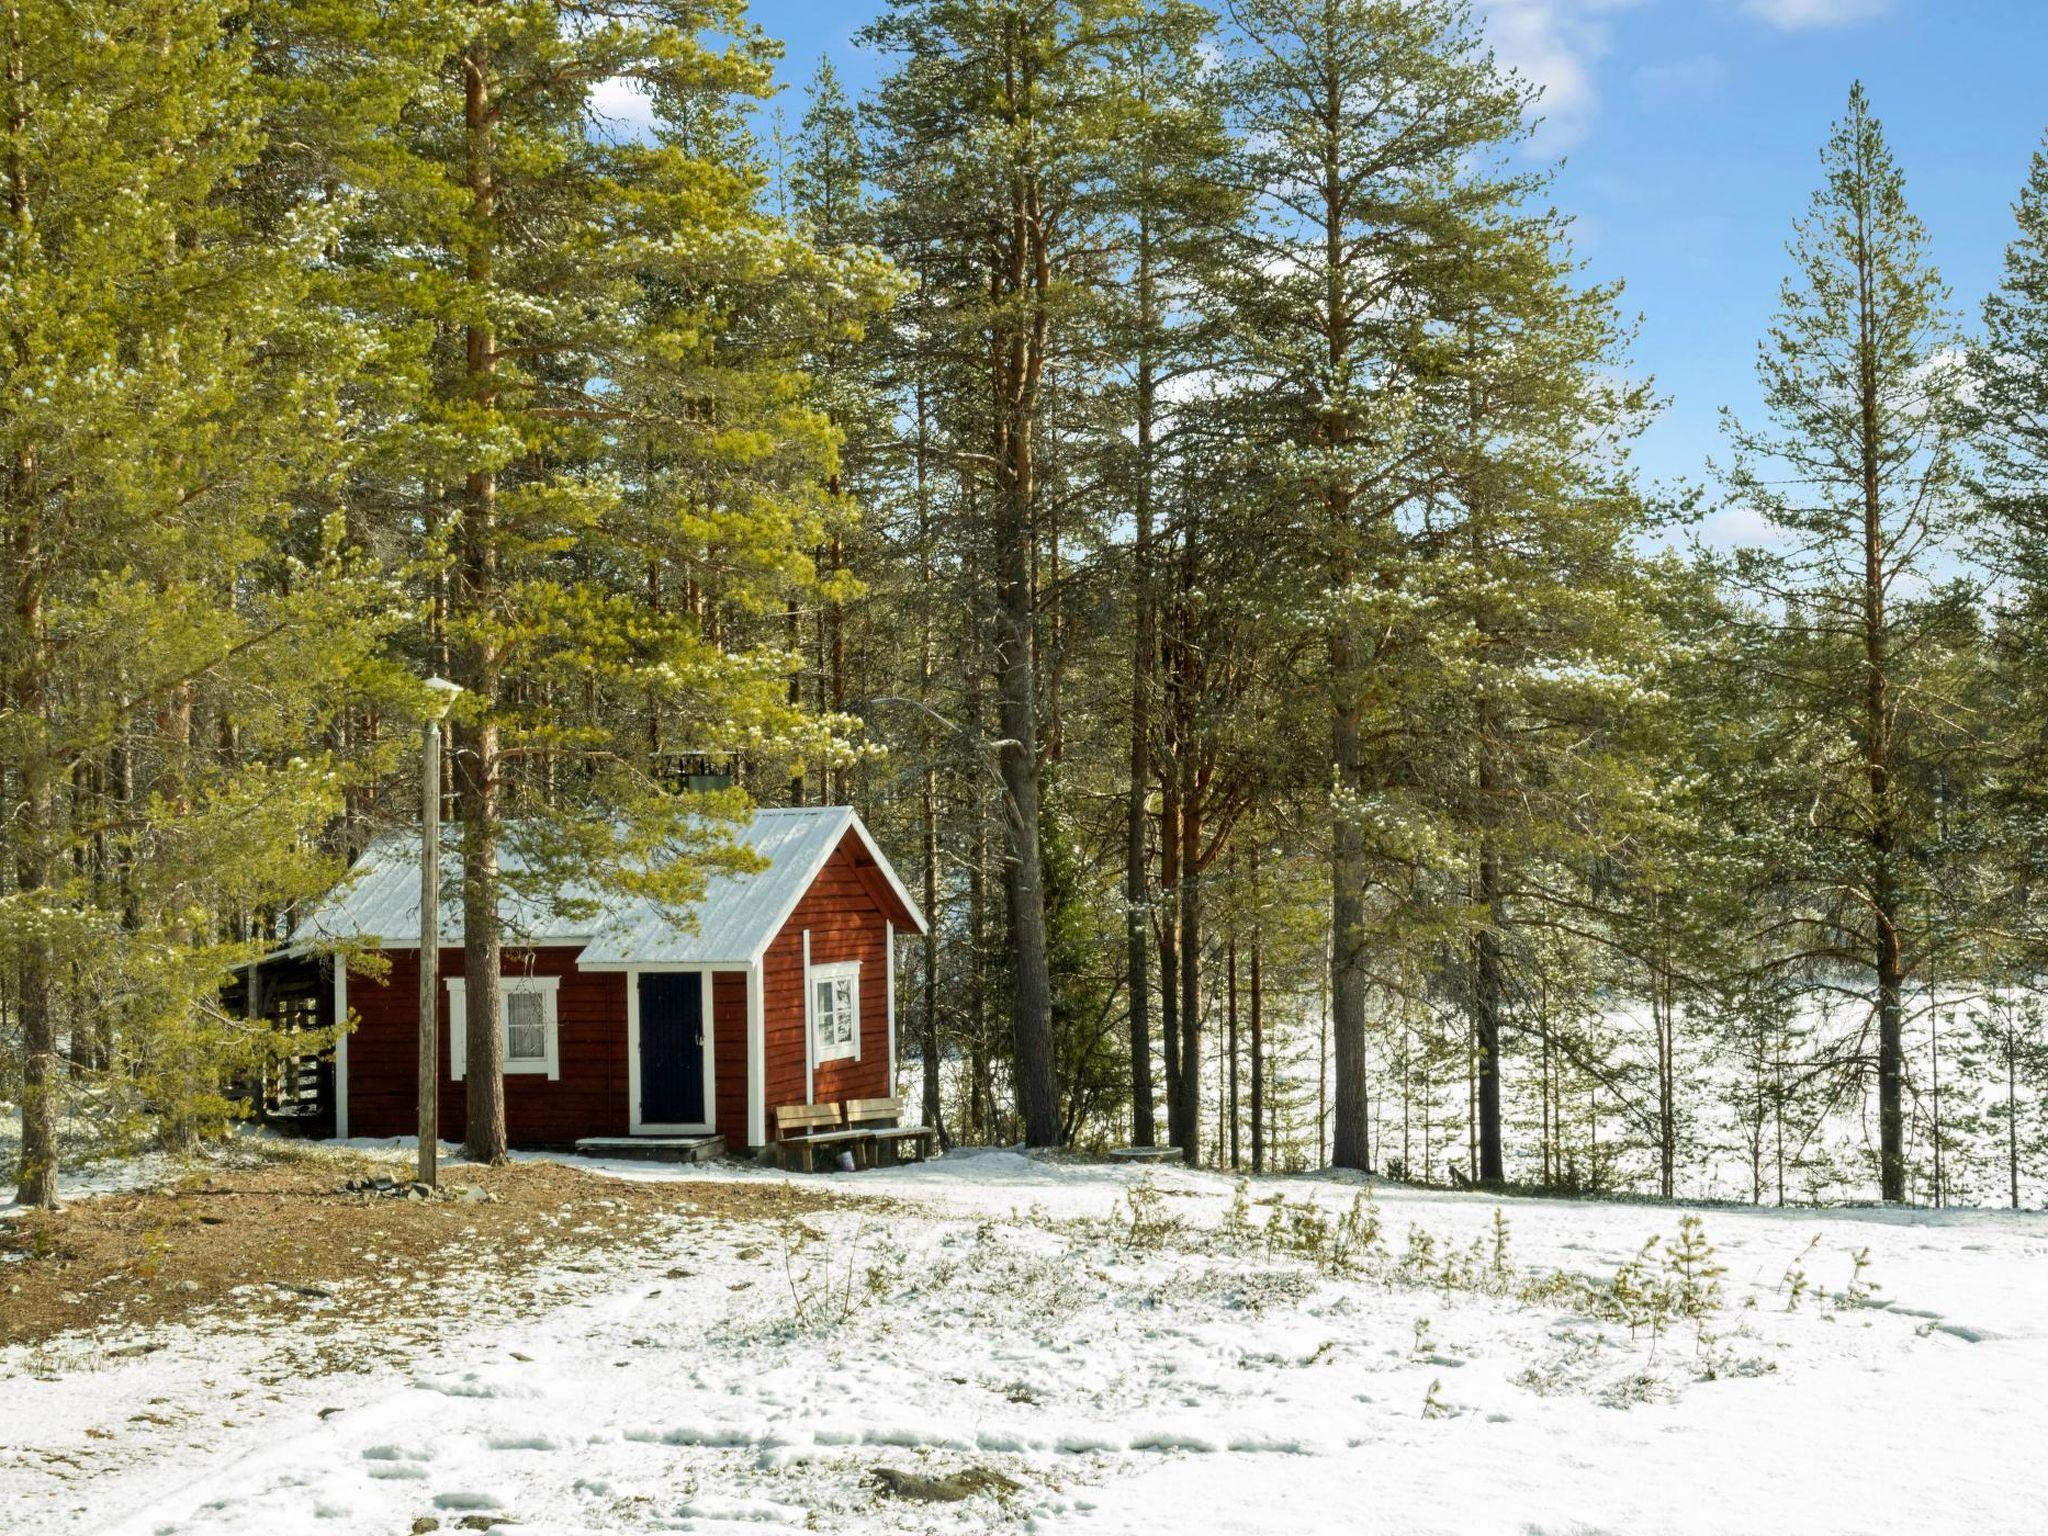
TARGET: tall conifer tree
(1860,475)
(1373,127)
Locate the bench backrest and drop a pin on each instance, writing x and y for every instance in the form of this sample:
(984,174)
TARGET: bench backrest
(873,1111)
(804,1119)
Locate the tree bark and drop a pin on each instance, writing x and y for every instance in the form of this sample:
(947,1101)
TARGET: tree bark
(1235,1138)
(476,756)
(1488,988)
(1017,359)
(1190,957)
(1137,892)
(1348,977)
(1258,1054)
(1886,905)
(1169,954)
(36,1173)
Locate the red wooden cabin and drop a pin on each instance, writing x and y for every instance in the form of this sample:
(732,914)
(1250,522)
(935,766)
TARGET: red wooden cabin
(777,987)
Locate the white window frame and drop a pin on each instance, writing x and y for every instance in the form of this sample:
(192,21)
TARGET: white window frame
(548,989)
(841,970)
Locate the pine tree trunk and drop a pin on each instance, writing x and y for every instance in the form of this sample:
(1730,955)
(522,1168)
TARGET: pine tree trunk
(927,666)
(1017,356)
(2012,1114)
(476,756)
(1190,958)
(1231,963)
(1137,892)
(1348,978)
(1169,954)
(1886,905)
(934,1109)
(1488,988)
(36,1175)
(793,641)
(1031,1001)
(1258,1055)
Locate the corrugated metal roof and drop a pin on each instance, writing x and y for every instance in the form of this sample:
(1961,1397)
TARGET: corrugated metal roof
(733,922)
(739,913)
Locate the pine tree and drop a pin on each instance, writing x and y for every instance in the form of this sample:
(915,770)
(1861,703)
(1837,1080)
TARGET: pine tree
(1008,111)
(1373,128)
(2009,426)
(1860,474)
(599,465)
(181,630)
(1536,620)
(1177,203)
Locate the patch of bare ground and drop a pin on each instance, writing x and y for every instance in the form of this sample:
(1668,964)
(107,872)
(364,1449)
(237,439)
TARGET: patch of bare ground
(286,1239)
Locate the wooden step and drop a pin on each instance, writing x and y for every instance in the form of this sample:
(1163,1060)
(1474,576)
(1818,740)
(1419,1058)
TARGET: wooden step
(654,1149)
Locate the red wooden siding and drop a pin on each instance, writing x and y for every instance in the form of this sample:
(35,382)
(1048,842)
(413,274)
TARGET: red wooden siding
(729,1053)
(589,1099)
(847,921)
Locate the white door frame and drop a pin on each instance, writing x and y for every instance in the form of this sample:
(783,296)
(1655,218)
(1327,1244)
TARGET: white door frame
(635,1125)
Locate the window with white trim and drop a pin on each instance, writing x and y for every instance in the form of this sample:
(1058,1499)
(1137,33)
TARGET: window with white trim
(835,1011)
(527,1007)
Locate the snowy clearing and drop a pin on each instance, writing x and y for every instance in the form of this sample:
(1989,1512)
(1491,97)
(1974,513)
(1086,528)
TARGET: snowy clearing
(1135,1354)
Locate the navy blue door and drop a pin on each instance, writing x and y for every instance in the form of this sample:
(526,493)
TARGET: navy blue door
(672,1049)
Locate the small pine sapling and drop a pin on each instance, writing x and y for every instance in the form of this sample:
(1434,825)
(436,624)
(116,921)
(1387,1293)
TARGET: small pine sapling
(1148,1226)
(1639,1297)
(1862,1291)
(1420,1259)
(1796,1284)
(1433,1404)
(1360,1239)
(1695,1275)
(1237,1221)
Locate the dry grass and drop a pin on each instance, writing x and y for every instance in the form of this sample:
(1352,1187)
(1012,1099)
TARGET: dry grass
(283,1237)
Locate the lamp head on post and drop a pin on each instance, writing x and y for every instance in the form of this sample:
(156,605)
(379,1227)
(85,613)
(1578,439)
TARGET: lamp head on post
(441,697)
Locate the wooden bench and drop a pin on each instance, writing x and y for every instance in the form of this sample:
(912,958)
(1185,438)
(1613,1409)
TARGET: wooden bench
(877,1122)
(802,1129)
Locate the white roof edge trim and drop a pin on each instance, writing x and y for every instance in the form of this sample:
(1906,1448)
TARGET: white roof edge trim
(738,963)
(505,941)
(817,868)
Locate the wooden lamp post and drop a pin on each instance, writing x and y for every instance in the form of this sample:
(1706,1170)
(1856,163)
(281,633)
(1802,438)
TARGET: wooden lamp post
(441,696)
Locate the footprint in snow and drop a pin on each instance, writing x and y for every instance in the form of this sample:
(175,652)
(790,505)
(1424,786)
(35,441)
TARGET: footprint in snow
(462,1499)
(523,1443)
(397,1463)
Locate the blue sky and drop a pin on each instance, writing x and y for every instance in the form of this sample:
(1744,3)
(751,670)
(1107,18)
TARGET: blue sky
(1690,131)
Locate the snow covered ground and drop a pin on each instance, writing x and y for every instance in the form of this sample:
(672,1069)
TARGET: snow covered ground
(1131,1353)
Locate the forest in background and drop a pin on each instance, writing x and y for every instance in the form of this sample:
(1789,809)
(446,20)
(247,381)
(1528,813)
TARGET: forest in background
(1166,469)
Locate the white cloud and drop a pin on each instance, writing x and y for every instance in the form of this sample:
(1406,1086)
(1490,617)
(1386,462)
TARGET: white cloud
(622,110)
(1556,45)
(1812,15)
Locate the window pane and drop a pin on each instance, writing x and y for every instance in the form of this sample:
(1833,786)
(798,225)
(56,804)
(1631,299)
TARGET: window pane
(526,1027)
(843,1008)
